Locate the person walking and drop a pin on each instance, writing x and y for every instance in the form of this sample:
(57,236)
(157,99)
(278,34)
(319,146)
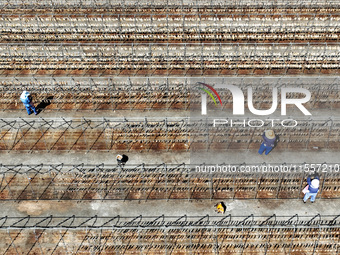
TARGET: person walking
(220,207)
(268,143)
(122,159)
(313,188)
(27,101)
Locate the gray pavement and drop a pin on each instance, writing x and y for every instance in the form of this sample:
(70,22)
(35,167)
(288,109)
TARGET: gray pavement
(230,157)
(92,158)
(275,156)
(280,207)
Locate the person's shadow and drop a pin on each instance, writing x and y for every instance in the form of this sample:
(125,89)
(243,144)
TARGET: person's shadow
(277,140)
(44,103)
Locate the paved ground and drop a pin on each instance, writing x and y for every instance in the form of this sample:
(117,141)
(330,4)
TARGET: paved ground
(170,208)
(230,157)
(92,158)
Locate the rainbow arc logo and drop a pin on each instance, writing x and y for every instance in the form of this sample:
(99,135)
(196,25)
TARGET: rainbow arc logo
(209,93)
(204,96)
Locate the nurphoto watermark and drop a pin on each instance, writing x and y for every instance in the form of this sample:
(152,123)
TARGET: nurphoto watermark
(269,168)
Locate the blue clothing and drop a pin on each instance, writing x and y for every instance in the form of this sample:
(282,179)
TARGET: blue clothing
(311,195)
(30,108)
(267,145)
(311,189)
(263,148)
(25,99)
(268,142)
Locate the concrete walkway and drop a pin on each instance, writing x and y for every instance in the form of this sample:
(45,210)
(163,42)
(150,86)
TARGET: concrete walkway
(280,207)
(228,157)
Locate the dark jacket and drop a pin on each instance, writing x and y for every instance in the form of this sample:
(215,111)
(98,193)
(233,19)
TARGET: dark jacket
(312,190)
(268,142)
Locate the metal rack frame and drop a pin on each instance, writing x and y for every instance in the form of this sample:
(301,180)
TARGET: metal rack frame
(169,59)
(151,93)
(124,235)
(156,182)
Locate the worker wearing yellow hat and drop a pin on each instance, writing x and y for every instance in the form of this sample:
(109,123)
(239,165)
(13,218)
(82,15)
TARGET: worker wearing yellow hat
(220,207)
(268,143)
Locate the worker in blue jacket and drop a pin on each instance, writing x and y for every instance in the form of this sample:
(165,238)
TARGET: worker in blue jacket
(27,101)
(268,143)
(312,189)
